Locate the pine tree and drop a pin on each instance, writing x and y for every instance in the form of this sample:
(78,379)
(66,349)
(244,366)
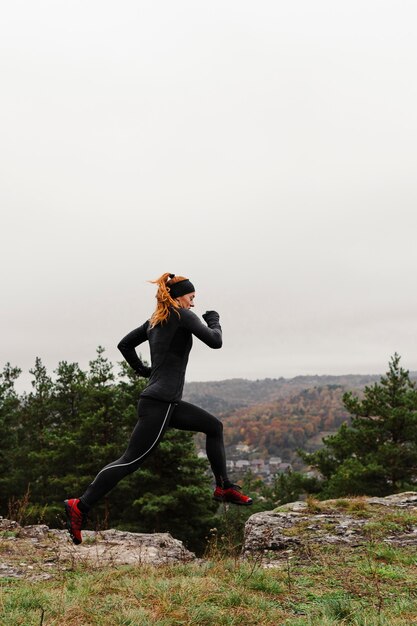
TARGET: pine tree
(377,453)
(9,410)
(67,399)
(36,423)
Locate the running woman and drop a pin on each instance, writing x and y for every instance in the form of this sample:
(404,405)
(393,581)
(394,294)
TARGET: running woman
(169,332)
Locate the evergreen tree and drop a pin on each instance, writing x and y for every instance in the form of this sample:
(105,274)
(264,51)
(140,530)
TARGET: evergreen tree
(288,486)
(67,399)
(98,437)
(9,411)
(377,453)
(34,446)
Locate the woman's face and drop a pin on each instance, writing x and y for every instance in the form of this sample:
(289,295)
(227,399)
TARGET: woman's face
(187,301)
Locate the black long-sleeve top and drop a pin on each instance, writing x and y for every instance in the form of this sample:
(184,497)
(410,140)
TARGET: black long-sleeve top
(170,344)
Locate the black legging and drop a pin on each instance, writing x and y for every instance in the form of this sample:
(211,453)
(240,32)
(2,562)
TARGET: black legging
(154,417)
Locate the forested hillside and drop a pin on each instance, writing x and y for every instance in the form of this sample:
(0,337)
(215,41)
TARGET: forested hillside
(275,416)
(225,395)
(279,427)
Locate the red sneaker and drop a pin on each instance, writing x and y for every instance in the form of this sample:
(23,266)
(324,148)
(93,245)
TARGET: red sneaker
(75,520)
(232,494)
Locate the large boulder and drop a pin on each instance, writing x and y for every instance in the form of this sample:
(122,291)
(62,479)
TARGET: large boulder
(116,547)
(39,552)
(349,521)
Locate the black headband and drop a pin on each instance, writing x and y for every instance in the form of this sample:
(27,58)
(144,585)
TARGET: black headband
(181,288)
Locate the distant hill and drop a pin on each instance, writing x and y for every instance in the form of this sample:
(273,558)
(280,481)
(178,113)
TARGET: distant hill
(275,416)
(223,396)
(283,425)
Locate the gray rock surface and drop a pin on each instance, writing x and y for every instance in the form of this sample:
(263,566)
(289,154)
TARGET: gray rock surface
(115,547)
(38,552)
(343,521)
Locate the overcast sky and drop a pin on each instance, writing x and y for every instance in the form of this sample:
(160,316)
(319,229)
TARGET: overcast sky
(266,150)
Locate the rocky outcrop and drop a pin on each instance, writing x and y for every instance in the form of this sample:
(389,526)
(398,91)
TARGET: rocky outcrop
(40,552)
(350,522)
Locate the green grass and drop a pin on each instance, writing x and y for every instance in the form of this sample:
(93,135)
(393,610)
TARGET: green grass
(314,584)
(375,585)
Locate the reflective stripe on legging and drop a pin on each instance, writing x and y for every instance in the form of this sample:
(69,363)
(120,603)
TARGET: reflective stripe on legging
(142,455)
(154,417)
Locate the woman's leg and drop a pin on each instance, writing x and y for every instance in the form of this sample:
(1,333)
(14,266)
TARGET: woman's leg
(187,416)
(153,420)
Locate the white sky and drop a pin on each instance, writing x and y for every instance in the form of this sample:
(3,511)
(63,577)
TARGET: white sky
(265,149)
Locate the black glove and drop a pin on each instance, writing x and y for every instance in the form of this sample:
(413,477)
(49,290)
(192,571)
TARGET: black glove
(144,372)
(211,317)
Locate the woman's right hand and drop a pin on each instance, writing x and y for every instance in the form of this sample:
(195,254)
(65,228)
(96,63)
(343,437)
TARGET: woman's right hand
(211,317)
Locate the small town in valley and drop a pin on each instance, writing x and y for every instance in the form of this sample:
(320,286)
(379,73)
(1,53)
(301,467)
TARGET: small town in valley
(241,459)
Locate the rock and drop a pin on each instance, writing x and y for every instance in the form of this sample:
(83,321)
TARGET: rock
(266,531)
(345,521)
(7,524)
(34,532)
(38,552)
(7,571)
(403,500)
(115,547)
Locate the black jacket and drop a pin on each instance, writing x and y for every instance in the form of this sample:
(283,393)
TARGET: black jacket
(170,344)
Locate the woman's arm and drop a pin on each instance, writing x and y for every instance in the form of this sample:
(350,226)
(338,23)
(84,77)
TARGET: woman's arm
(127,347)
(211,334)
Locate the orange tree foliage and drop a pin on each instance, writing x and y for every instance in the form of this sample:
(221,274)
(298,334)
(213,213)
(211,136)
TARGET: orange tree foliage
(287,423)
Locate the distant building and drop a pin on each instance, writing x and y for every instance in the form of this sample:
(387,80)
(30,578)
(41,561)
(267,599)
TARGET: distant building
(274,461)
(284,467)
(242,464)
(257,464)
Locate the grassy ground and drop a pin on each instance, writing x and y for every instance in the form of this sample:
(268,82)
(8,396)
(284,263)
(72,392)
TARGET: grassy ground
(374,584)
